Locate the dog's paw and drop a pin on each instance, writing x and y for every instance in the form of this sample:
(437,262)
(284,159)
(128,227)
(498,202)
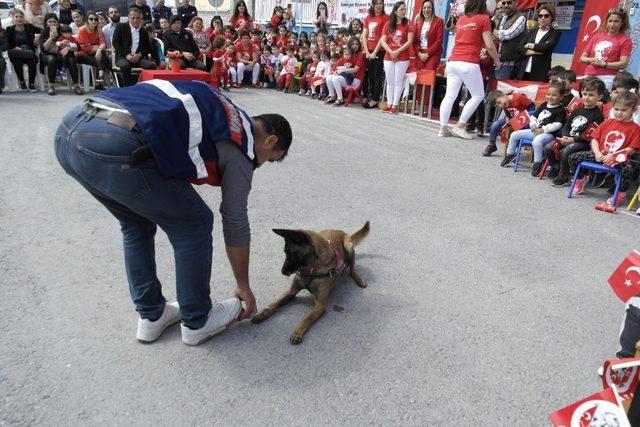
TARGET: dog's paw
(296,337)
(362,284)
(260,317)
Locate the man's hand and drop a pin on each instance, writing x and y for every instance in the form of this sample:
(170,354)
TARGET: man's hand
(249,308)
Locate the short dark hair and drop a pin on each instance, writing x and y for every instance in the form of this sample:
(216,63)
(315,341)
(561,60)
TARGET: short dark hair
(493,97)
(475,7)
(555,71)
(275,124)
(558,85)
(569,75)
(625,82)
(592,85)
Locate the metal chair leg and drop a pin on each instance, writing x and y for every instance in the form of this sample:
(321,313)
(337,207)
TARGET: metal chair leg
(518,152)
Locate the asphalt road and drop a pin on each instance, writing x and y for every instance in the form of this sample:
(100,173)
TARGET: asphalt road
(487,300)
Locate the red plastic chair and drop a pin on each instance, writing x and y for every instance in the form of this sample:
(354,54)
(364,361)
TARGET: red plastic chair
(424,78)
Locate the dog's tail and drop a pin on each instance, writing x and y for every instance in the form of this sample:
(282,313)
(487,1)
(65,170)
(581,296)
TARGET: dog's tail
(360,234)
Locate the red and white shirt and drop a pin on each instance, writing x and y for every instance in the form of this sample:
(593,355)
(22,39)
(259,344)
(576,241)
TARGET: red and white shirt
(397,38)
(607,48)
(245,53)
(469,39)
(374,26)
(613,135)
(289,65)
(241,22)
(519,102)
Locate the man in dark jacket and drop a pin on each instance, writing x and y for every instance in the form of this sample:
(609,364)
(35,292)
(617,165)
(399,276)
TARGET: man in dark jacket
(131,46)
(186,12)
(160,11)
(510,27)
(181,40)
(144,8)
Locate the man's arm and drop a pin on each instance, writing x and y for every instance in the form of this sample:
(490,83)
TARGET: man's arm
(514,31)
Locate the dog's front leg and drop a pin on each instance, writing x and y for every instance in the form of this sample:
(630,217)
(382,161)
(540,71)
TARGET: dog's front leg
(321,297)
(282,300)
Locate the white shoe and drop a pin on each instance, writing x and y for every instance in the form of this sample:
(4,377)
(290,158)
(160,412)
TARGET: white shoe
(600,371)
(461,132)
(222,314)
(444,132)
(149,331)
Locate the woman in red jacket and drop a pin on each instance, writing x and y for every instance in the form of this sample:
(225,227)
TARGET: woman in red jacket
(92,48)
(427,42)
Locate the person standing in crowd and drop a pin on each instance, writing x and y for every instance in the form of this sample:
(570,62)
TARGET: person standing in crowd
(397,37)
(373,51)
(64,12)
(510,27)
(240,19)
(609,51)
(322,21)
(160,11)
(186,13)
(107,30)
(149,184)
(537,46)
(35,11)
(473,32)
(216,23)
(22,49)
(92,48)
(4,45)
(78,21)
(181,40)
(428,39)
(131,46)
(144,8)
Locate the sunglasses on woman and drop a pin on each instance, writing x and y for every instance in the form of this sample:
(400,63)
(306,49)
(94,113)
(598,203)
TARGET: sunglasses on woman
(92,19)
(544,15)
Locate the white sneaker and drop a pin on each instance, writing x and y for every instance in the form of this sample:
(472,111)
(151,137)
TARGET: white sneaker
(444,132)
(600,371)
(149,331)
(460,132)
(222,314)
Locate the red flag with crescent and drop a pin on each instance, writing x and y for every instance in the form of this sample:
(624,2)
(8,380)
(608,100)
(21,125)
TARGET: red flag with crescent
(593,20)
(520,120)
(599,409)
(574,105)
(589,130)
(625,280)
(622,373)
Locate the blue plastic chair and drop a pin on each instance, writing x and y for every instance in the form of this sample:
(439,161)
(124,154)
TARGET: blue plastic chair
(522,142)
(599,168)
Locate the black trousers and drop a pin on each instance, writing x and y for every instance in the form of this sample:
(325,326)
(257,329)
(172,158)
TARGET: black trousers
(3,70)
(192,64)
(91,60)
(562,165)
(125,69)
(375,77)
(19,59)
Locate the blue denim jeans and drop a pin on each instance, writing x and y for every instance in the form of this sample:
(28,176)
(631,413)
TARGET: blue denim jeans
(97,155)
(495,130)
(538,142)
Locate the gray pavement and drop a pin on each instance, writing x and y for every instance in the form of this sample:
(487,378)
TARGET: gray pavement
(487,300)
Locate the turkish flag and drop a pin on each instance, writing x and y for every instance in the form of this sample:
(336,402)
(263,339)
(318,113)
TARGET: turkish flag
(623,374)
(593,20)
(589,130)
(602,409)
(527,4)
(574,105)
(557,146)
(519,121)
(625,281)
(617,157)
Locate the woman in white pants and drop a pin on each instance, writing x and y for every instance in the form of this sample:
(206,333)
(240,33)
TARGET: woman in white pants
(397,37)
(473,32)
(350,69)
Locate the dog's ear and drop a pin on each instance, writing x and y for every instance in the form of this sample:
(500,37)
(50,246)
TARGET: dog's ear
(294,236)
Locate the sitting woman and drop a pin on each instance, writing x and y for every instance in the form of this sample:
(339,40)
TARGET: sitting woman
(52,46)
(22,49)
(537,46)
(92,48)
(349,72)
(196,28)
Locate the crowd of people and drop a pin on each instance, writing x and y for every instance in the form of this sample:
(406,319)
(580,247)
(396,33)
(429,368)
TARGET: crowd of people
(359,57)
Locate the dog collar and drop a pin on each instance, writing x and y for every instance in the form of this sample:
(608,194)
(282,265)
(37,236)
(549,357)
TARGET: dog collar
(312,273)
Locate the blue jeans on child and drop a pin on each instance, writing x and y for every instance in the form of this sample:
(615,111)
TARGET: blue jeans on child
(97,155)
(539,142)
(495,130)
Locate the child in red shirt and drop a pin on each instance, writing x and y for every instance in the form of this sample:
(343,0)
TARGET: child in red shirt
(512,104)
(289,64)
(613,136)
(219,69)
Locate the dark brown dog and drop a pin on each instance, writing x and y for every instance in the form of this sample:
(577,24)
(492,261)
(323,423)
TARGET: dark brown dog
(317,259)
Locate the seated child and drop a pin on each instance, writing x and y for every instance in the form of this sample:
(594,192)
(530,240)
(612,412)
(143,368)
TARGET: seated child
(267,72)
(571,138)
(322,72)
(545,123)
(277,61)
(289,64)
(511,104)
(309,73)
(230,59)
(613,135)
(621,83)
